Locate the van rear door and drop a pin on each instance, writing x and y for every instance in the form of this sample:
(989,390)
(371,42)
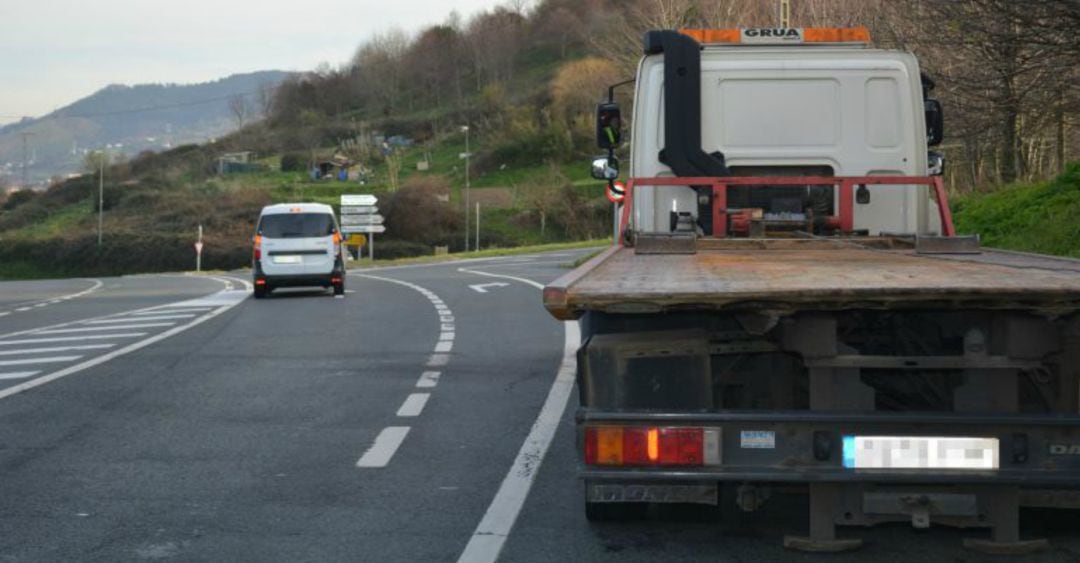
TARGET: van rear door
(297,243)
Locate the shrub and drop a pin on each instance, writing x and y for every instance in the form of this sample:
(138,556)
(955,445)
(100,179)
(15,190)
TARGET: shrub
(293,162)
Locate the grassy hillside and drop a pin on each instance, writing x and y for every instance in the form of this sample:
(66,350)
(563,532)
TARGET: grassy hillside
(1042,217)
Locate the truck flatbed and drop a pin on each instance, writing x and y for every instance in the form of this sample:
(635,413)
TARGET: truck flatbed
(785,275)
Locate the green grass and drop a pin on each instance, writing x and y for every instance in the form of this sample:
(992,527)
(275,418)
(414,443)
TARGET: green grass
(1043,217)
(60,221)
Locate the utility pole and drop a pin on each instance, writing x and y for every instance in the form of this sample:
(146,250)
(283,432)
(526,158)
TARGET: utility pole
(25,139)
(465,128)
(785,13)
(477,247)
(101,195)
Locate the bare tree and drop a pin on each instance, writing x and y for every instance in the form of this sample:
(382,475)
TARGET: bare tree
(239,107)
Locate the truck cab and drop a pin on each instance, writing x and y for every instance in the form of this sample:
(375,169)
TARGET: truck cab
(787,107)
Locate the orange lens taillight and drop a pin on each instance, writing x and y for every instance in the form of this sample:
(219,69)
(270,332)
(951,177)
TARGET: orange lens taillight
(644,446)
(258,247)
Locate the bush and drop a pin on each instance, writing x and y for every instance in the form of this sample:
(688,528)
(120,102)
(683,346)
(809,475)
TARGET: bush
(390,249)
(293,162)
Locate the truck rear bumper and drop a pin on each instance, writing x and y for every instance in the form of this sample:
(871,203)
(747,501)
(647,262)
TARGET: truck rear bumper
(1033,450)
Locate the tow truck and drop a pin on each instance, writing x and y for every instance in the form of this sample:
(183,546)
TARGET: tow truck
(788,304)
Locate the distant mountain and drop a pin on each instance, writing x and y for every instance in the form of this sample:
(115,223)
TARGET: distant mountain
(132,119)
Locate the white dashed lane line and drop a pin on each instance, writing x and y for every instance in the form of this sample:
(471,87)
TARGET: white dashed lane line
(385,446)
(54,349)
(390,439)
(413,405)
(46,360)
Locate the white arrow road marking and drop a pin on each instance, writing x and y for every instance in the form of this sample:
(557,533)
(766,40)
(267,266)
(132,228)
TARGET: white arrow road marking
(480,287)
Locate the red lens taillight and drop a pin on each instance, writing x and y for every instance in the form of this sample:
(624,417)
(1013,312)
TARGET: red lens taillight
(258,247)
(650,446)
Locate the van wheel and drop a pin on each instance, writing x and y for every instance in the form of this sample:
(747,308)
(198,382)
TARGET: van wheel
(339,289)
(260,292)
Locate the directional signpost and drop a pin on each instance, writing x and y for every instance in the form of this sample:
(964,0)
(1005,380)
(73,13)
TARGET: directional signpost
(359,214)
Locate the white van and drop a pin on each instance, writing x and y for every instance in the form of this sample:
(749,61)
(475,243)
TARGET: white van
(297,244)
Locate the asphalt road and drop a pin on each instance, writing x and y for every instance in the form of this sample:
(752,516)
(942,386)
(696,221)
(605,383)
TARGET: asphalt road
(174,418)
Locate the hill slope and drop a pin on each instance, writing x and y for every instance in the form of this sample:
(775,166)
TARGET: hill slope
(147,116)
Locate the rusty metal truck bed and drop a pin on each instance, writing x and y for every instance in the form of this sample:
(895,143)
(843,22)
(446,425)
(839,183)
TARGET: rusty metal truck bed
(814,274)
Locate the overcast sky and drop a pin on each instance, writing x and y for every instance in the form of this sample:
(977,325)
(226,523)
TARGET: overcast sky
(53,52)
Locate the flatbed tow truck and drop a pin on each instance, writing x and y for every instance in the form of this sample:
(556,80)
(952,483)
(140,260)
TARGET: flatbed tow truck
(788,304)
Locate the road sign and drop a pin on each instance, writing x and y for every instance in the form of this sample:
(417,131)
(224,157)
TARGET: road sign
(356,239)
(358,209)
(362,219)
(364,199)
(363,228)
(198,247)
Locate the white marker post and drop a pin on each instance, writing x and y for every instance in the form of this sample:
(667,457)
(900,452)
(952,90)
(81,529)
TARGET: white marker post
(198,251)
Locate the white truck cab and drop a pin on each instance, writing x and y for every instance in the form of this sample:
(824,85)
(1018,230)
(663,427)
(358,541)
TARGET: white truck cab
(297,244)
(781,106)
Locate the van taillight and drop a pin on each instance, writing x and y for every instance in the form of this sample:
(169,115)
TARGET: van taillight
(655,446)
(258,247)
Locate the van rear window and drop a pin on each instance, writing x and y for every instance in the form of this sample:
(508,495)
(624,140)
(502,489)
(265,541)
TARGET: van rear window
(296,225)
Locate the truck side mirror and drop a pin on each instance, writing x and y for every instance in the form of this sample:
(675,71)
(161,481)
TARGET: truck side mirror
(608,125)
(935,123)
(604,168)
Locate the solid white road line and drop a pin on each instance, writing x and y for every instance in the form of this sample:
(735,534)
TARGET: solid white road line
(72,338)
(45,360)
(428,379)
(18,374)
(140,319)
(386,444)
(414,404)
(54,349)
(491,533)
(101,328)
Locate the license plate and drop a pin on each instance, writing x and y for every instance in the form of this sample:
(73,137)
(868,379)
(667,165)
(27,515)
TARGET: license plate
(290,259)
(920,452)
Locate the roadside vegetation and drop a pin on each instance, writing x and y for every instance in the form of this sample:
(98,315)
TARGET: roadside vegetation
(1041,217)
(524,78)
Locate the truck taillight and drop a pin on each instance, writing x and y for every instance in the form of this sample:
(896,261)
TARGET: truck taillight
(651,446)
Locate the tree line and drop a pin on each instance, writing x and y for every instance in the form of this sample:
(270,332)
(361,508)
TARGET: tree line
(1006,70)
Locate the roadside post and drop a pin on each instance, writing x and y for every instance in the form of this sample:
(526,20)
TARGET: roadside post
(198,251)
(359,214)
